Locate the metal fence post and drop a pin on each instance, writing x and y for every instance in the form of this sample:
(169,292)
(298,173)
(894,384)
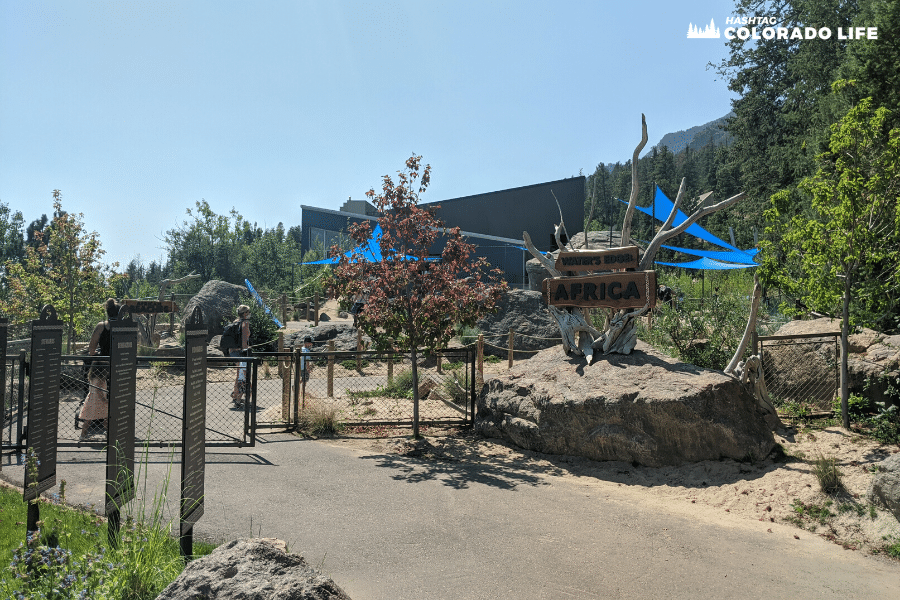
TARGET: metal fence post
(512,334)
(479,359)
(298,386)
(331,369)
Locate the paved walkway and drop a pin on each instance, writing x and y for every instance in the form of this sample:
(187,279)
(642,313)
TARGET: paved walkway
(388,527)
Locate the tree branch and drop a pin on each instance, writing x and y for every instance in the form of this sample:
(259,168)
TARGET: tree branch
(626,224)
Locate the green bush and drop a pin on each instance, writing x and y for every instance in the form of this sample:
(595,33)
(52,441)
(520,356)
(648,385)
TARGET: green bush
(706,335)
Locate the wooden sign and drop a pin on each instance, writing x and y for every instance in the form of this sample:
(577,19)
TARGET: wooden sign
(598,260)
(137,307)
(630,289)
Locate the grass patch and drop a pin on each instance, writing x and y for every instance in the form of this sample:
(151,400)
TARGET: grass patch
(401,386)
(811,512)
(829,476)
(320,421)
(492,359)
(70,556)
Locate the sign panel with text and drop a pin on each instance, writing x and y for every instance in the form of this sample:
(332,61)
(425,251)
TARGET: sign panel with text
(193,449)
(43,400)
(123,335)
(612,259)
(629,289)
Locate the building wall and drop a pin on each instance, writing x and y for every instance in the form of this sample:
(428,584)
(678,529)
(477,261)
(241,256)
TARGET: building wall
(504,214)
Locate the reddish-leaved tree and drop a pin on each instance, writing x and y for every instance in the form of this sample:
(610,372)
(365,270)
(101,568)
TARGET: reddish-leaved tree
(415,301)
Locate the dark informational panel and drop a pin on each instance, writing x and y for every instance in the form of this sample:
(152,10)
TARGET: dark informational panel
(43,400)
(123,334)
(193,449)
(4,332)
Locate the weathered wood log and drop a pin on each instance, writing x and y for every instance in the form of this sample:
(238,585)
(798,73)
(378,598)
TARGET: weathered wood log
(750,373)
(632,201)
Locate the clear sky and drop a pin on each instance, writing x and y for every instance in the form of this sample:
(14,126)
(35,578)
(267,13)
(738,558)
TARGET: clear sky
(138,109)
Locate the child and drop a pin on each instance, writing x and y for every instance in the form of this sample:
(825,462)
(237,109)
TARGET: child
(306,349)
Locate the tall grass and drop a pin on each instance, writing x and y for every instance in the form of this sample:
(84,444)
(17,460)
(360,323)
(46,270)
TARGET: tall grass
(70,555)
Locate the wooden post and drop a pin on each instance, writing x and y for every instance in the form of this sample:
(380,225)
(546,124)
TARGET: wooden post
(359,347)
(479,361)
(298,387)
(285,373)
(390,375)
(284,318)
(512,337)
(317,308)
(437,355)
(331,369)
(171,318)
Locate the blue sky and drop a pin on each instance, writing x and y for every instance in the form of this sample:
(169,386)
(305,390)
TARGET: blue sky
(137,110)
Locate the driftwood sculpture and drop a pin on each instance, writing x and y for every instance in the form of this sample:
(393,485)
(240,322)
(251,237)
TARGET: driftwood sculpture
(620,335)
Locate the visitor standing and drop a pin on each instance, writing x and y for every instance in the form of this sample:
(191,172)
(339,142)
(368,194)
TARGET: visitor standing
(96,404)
(241,386)
(304,364)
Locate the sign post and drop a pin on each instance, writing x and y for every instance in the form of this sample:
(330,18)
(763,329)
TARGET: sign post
(4,331)
(123,334)
(43,408)
(193,435)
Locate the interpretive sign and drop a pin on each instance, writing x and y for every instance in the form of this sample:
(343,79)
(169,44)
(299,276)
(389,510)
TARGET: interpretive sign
(43,400)
(599,260)
(138,307)
(123,334)
(193,448)
(630,289)
(4,332)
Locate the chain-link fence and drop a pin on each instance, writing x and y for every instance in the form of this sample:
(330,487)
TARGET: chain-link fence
(801,371)
(371,388)
(159,401)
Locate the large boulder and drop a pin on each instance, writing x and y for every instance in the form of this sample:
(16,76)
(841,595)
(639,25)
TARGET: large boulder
(343,334)
(256,569)
(525,311)
(643,407)
(218,300)
(598,240)
(872,356)
(885,486)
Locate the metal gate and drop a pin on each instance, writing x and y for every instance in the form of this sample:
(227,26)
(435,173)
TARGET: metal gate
(376,388)
(801,371)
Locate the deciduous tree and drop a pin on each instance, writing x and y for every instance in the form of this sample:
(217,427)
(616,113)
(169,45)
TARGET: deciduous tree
(414,301)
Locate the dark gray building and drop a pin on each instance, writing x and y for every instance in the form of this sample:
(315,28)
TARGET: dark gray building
(493,222)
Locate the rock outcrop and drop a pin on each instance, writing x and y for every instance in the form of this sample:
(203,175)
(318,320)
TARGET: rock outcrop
(885,486)
(343,334)
(218,300)
(259,569)
(525,311)
(643,407)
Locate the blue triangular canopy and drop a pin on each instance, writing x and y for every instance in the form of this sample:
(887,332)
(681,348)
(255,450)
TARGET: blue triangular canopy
(707,264)
(744,257)
(660,210)
(370,251)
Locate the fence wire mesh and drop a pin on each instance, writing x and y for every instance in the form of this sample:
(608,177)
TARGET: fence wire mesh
(369,388)
(801,372)
(159,401)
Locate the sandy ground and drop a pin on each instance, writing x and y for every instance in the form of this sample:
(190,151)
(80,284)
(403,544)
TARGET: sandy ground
(780,489)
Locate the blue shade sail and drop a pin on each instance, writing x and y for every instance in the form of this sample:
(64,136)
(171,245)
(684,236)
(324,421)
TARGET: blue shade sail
(707,264)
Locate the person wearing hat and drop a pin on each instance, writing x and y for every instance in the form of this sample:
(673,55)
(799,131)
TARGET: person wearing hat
(240,382)
(306,349)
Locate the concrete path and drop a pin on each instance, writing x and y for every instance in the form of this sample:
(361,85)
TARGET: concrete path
(389,527)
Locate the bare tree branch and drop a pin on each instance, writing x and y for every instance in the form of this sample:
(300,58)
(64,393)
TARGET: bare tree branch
(626,224)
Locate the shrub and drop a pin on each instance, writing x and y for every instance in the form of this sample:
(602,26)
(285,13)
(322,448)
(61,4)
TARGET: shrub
(829,476)
(320,420)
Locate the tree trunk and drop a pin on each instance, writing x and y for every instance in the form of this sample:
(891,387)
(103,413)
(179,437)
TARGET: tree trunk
(415,381)
(845,335)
